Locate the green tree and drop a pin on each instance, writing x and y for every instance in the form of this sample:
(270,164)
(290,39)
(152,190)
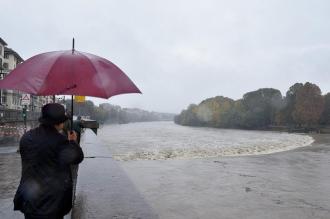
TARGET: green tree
(261,107)
(236,116)
(284,116)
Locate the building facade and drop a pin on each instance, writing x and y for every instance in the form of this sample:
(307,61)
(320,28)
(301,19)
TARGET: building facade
(10,99)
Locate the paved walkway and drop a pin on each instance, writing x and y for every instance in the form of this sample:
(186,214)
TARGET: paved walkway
(10,172)
(103,188)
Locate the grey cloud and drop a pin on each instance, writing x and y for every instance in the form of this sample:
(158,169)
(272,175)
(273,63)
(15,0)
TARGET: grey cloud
(180,52)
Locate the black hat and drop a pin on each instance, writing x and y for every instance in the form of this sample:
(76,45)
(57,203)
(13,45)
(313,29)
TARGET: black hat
(52,114)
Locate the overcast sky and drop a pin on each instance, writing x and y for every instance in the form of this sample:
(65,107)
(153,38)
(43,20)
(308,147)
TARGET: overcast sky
(183,51)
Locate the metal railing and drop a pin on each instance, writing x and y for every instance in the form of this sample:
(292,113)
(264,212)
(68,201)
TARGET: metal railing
(10,115)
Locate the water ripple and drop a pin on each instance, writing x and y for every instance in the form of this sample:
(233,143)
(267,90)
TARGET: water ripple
(166,140)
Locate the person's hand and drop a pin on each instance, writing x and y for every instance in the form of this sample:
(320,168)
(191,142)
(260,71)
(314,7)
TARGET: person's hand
(72,136)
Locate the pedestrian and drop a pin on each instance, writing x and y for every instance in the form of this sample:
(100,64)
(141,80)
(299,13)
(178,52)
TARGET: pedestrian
(45,189)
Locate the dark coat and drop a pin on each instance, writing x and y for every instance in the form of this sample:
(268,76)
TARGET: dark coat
(46,183)
(77,126)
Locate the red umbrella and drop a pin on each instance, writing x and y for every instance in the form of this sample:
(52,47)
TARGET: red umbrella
(69,72)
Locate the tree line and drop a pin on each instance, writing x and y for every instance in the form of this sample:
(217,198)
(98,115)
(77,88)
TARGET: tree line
(108,113)
(303,106)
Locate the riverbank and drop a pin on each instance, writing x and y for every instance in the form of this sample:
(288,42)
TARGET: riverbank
(320,129)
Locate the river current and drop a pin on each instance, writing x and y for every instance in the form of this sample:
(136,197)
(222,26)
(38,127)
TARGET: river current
(166,140)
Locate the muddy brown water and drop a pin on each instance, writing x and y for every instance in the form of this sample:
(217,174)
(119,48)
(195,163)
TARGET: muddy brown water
(291,184)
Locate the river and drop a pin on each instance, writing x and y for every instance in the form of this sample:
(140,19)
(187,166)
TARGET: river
(166,140)
(188,172)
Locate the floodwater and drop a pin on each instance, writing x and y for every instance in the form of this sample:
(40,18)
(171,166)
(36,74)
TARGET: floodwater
(168,171)
(193,183)
(166,140)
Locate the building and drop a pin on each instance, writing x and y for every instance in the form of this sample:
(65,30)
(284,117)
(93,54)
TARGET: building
(2,54)
(3,96)
(10,99)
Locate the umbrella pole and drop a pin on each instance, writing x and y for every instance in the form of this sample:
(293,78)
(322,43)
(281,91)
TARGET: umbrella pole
(72,95)
(71,112)
(72,45)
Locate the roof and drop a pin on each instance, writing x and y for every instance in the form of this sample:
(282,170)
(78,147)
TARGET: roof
(3,42)
(11,51)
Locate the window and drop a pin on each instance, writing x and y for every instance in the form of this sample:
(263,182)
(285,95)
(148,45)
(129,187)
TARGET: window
(6,56)
(5,65)
(1,50)
(4,98)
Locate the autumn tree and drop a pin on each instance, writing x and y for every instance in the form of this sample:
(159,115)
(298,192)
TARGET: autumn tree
(325,117)
(302,105)
(214,111)
(309,105)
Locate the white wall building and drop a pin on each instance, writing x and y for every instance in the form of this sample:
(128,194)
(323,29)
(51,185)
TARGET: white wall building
(12,99)
(3,97)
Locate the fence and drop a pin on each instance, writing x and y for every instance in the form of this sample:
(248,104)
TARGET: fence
(10,115)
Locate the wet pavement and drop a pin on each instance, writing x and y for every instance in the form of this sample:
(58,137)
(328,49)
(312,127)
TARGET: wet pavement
(10,172)
(292,184)
(103,188)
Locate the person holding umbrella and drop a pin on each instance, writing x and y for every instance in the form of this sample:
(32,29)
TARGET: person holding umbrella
(65,72)
(45,189)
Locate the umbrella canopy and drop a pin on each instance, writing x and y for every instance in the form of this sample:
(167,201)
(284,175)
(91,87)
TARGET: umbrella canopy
(69,72)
